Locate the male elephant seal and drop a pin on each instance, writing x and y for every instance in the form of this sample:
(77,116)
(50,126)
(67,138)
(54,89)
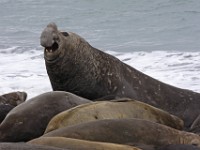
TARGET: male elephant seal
(24,146)
(29,120)
(75,66)
(134,132)
(76,144)
(112,110)
(9,101)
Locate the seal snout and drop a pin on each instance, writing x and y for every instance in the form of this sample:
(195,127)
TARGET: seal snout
(49,38)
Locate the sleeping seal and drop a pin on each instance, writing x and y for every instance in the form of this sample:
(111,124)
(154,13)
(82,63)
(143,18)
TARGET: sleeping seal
(29,120)
(119,109)
(75,66)
(134,132)
(76,144)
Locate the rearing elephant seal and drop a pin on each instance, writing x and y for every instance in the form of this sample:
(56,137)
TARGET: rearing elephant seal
(75,66)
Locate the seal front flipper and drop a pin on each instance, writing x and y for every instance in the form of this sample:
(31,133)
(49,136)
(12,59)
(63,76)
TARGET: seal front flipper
(195,127)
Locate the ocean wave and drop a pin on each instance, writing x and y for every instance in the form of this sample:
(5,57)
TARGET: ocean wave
(19,49)
(27,72)
(175,68)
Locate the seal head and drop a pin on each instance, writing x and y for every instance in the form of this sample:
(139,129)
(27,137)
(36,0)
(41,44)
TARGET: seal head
(50,40)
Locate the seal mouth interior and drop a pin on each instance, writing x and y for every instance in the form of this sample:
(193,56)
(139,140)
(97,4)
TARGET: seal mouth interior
(52,53)
(53,48)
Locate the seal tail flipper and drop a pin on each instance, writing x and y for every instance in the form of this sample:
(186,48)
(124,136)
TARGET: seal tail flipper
(195,127)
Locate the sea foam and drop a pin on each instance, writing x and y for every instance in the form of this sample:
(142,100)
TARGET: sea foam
(26,71)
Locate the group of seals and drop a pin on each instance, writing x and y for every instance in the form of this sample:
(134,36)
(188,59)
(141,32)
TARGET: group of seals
(75,66)
(29,120)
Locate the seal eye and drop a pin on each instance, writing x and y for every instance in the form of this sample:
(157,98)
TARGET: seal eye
(65,33)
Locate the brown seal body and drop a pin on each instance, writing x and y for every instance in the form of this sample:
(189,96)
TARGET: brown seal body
(29,120)
(13,98)
(4,110)
(24,146)
(76,144)
(75,66)
(134,132)
(9,101)
(120,109)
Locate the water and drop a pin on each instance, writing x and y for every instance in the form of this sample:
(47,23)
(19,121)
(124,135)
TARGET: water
(157,37)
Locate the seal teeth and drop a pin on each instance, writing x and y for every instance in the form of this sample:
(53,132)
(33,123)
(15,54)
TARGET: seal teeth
(49,50)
